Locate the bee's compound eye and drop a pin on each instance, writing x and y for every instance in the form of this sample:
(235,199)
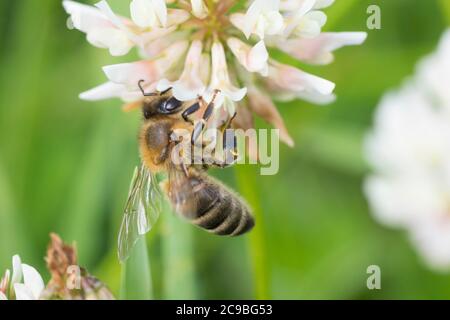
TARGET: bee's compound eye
(170,106)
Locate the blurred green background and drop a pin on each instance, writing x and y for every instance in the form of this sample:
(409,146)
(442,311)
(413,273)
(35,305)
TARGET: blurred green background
(65,167)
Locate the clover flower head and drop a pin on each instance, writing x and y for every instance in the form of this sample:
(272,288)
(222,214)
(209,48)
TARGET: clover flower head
(409,150)
(68,280)
(201,47)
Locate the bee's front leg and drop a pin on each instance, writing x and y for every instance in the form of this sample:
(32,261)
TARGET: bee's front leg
(201,125)
(189,111)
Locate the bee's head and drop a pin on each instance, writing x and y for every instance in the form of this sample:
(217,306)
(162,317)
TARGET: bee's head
(162,103)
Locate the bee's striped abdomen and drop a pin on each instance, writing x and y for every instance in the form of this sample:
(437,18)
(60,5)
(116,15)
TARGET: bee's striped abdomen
(219,210)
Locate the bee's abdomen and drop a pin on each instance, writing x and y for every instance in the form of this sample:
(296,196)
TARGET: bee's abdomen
(220,211)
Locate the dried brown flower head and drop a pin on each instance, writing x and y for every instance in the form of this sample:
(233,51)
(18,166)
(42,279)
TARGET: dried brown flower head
(68,280)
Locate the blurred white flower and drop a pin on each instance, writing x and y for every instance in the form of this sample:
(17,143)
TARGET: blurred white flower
(198,47)
(434,72)
(409,149)
(25,284)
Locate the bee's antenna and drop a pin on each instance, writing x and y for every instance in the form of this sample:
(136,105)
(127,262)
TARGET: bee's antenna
(143,91)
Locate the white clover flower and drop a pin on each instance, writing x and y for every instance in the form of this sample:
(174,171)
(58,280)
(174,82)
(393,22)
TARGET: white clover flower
(4,285)
(203,48)
(190,85)
(303,19)
(409,149)
(199,9)
(25,284)
(149,13)
(263,18)
(220,78)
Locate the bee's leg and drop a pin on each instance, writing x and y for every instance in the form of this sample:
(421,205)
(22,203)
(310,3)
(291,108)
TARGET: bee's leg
(191,110)
(230,146)
(200,126)
(229,153)
(174,138)
(210,161)
(213,162)
(229,122)
(229,143)
(143,91)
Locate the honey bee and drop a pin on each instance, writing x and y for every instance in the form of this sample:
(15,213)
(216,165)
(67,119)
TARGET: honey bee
(194,195)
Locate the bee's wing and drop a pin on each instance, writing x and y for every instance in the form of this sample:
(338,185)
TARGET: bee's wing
(181,191)
(142,209)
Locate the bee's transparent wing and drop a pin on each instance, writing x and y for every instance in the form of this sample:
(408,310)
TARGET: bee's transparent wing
(142,210)
(182,193)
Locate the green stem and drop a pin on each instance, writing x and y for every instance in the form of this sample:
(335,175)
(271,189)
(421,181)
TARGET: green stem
(245,176)
(136,276)
(445,7)
(177,254)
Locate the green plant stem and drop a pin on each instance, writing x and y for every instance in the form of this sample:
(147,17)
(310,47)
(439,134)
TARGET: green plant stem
(246,178)
(136,276)
(179,280)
